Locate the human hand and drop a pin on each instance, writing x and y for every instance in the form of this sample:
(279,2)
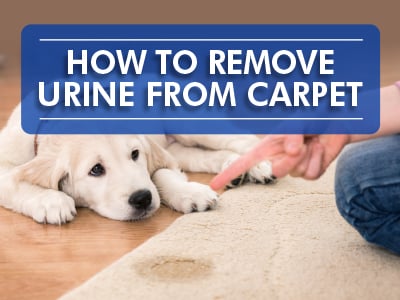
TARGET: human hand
(308,156)
(297,155)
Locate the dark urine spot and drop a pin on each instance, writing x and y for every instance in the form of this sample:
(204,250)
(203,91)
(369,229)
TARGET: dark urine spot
(174,268)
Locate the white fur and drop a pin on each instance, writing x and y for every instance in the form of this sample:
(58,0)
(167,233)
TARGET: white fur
(49,184)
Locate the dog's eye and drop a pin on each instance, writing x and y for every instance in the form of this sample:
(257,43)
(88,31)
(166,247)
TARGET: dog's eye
(97,170)
(135,154)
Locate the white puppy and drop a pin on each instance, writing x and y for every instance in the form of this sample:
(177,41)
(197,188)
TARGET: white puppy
(121,177)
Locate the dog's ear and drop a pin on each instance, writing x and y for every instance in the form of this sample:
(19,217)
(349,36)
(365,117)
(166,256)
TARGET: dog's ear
(44,171)
(157,157)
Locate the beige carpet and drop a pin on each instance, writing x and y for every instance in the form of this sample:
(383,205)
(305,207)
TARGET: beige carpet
(282,241)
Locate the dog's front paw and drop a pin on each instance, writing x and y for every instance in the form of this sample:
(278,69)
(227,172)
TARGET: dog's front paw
(260,173)
(238,181)
(195,197)
(52,207)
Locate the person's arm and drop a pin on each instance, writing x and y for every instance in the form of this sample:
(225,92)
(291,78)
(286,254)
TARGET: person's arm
(390,114)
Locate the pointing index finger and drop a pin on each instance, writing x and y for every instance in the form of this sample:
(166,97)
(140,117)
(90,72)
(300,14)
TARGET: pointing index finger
(268,146)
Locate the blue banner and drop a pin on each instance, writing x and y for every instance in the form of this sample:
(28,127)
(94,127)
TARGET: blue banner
(200,79)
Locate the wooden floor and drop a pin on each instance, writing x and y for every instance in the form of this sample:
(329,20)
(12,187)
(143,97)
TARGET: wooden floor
(44,261)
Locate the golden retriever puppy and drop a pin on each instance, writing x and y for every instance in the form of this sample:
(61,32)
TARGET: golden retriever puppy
(122,177)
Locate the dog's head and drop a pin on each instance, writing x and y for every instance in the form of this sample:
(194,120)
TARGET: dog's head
(110,174)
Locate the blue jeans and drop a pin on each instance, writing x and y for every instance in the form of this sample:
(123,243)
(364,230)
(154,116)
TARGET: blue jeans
(367,188)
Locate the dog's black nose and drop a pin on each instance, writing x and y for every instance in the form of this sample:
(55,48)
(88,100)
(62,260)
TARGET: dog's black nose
(140,199)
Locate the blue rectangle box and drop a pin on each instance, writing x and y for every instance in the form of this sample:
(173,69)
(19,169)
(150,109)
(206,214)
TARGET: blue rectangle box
(205,79)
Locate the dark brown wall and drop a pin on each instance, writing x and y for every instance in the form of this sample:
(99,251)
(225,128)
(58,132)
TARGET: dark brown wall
(15,14)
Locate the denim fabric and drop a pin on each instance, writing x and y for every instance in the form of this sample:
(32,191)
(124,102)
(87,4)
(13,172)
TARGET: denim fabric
(367,188)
